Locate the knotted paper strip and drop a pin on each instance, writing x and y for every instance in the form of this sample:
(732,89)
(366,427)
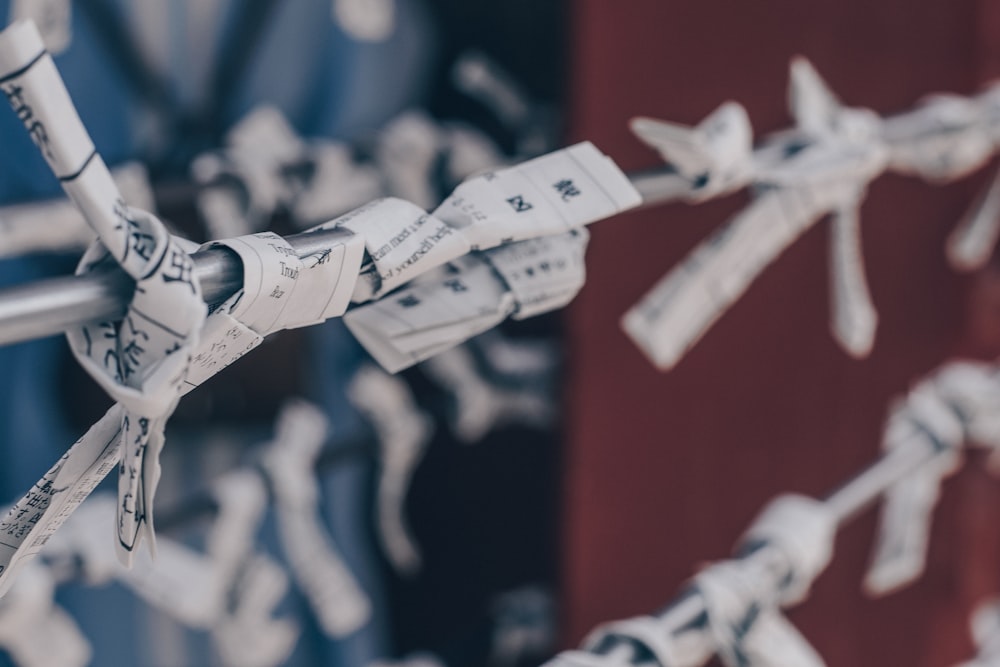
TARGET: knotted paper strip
(141,361)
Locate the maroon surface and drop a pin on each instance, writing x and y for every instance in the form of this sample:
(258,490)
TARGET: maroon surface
(664,471)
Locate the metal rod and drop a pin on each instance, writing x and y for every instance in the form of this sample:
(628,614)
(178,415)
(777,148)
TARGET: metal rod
(850,499)
(51,306)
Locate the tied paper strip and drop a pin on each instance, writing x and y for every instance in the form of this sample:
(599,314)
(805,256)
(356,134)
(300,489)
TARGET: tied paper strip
(548,195)
(746,628)
(403,433)
(365,20)
(944,138)
(341,607)
(271,299)
(842,152)
(42,510)
(414,152)
(250,635)
(280,291)
(958,404)
(743,607)
(470,296)
(481,404)
(714,158)
(228,589)
(853,318)
(193,588)
(681,308)
(409,151)
(803,530)
(924,420)
(645,631)
(246,632)
(56,225)
(331,271)
(34,630)
(974,239)
(54,19)
(985,627)
(403,241)
(198,589)
(246,182)
(581,659)
(40,513)
(742,601)
(543,274)
(141,362)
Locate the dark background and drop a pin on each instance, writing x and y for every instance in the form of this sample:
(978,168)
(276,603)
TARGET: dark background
(663,472)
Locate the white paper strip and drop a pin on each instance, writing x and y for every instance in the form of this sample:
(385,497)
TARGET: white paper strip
(433,315)
(402,240)
(549,195)
(403,433)
(853,317)
(340,605)
(973,241)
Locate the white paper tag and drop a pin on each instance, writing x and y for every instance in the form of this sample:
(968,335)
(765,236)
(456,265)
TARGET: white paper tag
(223,341)
(340,605)
(402,240)
(715,157)
(365,20)
(35,517)
(407,153)
(543,274)
(803,529)
(250,635)
(681,307)
(548,195)
(326,281)
(283,291)
(57,226)
(433,315)
(945,138)
(904,533)
(482,405)
(33,88)
(141,362)
(357,183)
(34,631)
(927,420)
(403,433)
(853,317)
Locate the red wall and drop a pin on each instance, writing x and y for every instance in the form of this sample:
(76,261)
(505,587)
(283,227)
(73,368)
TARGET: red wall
(664,471)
